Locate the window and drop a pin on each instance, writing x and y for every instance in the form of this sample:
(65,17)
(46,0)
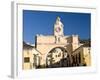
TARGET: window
(26,59)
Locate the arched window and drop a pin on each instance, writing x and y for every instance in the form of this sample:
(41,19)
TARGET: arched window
(58,57)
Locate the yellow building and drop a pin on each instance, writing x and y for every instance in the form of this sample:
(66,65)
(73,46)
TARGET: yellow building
(57,50)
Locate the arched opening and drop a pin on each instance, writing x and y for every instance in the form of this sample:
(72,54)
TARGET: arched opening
(58,57)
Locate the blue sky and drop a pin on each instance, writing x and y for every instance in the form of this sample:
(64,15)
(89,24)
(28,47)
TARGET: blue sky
(41,22)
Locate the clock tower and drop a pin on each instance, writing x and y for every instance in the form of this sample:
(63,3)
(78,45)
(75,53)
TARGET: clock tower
(58,27)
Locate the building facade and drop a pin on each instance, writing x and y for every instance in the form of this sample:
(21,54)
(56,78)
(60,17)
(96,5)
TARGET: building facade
(57,50)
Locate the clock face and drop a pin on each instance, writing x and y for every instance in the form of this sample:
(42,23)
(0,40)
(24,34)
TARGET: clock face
(58,29)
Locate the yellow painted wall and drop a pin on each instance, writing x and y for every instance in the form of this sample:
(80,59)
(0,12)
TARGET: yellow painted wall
(87,55)
(27,53)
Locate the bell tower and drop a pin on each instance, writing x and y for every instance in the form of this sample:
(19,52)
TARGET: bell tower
(58,27)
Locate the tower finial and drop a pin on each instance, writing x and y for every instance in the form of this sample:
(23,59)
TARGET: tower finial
(58,18)
(58,27)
